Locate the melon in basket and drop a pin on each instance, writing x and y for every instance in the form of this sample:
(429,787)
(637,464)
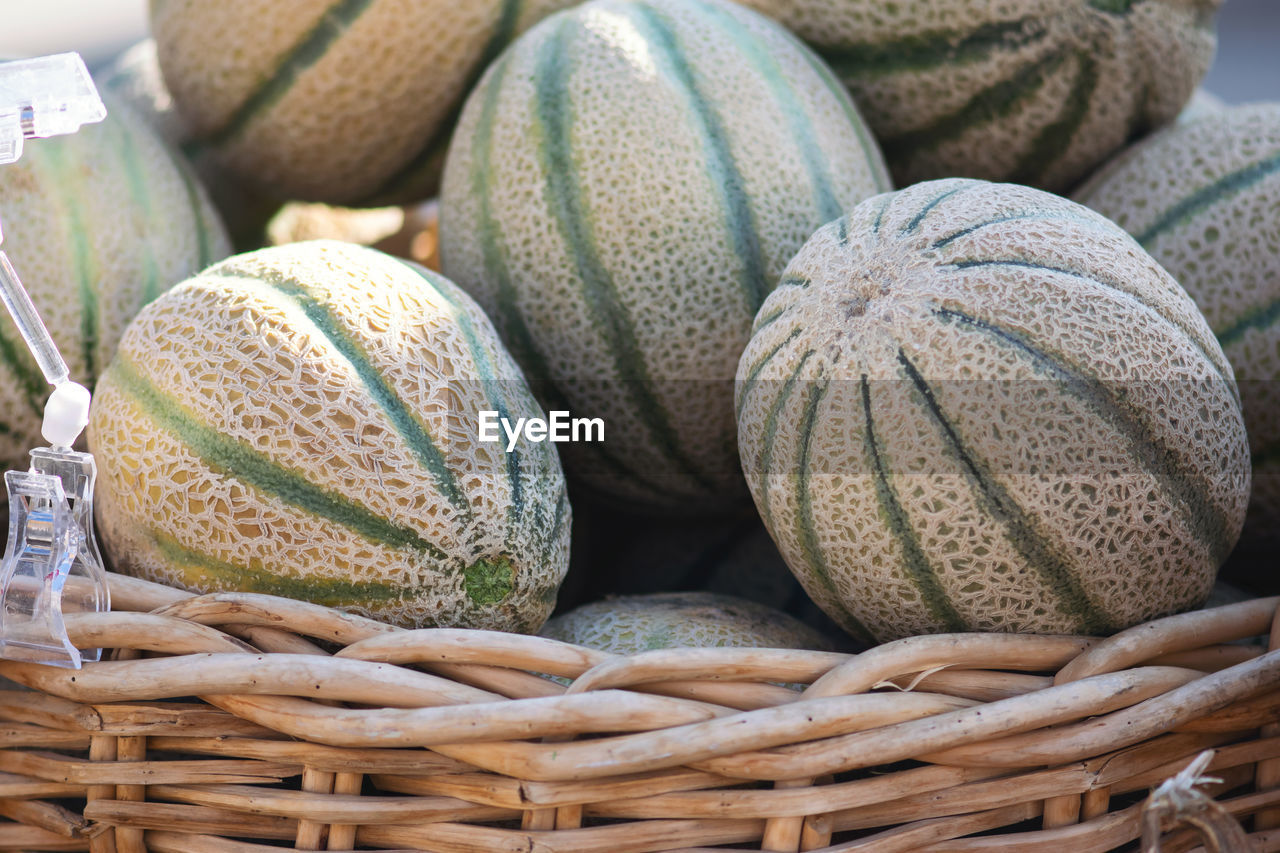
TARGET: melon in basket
(301,420)
(637,623)
(975,406)
(625,185)
(1204,199)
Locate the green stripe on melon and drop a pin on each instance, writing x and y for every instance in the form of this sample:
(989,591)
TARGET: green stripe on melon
(96,224)
(340,101)
(1202,198)
(988,409)
(1032,94)
(626,293)
(305,418)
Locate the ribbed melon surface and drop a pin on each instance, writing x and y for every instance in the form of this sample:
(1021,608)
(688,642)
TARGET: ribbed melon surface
(331,100)
(302,421)
(1204,199)
(1030,91)
(97,224)
(975,406)
(640,623)
(625,186)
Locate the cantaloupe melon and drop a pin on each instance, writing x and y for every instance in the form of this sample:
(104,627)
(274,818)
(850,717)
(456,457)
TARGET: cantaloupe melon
(302,421)
(975,406)
(331,101)
(624,187)
(96,224)
(639,623)
(1204,199)
(1034,92)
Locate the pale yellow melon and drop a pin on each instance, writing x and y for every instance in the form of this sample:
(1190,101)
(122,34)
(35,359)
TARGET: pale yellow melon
(626,184)
(330,101)
(637,623)
(1204,199)
(302,421)
(975,406)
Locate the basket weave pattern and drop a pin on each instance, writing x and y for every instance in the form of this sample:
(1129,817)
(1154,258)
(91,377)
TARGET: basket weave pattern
(320,730)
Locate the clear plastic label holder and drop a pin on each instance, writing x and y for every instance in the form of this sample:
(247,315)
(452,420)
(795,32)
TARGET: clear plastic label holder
(51,564)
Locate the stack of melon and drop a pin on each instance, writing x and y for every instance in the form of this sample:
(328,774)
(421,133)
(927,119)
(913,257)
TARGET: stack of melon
(764,244)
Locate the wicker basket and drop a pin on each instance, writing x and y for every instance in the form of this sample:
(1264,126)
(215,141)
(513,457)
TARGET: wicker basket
(320,730)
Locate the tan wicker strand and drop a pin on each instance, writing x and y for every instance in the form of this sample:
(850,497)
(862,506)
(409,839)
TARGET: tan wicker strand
(60,768)
(300,617)
(134,817)
(511,683)
(445,645)
(312,834)
(920,654)
(102,748)
(13,786)
(711,664)
(505,792)
(1179,633)
(342,835)
(148,632)
(128,749)
(333,759)
(21,734)
(330,806)
(50,816)
(148,718)
(22,837)
(276,674)
(917,835)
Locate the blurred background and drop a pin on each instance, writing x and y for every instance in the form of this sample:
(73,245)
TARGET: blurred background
(1247,67)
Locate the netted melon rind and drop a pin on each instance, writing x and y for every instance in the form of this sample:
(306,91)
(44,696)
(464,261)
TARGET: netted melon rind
(977,406)
(1203,198)
(637,623)
(1030,91)
(625,184)
(268,426)
(325,101)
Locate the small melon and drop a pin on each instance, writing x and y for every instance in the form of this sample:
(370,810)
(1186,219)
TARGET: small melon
(625,185)
(974,406)
(731,555)
(331,101)
(1032,92)
(97,224)
(1203,198)
(302,421)
(638,623)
